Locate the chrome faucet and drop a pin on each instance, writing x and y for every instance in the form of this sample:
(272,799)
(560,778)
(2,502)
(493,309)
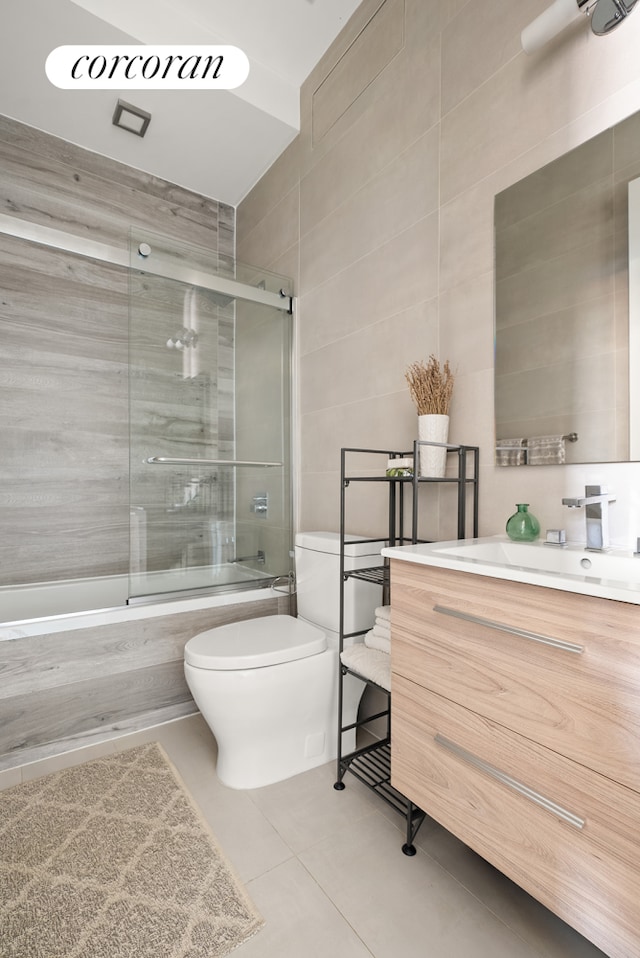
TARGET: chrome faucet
(596,502)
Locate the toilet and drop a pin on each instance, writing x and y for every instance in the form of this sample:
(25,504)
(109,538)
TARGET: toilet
(268,687)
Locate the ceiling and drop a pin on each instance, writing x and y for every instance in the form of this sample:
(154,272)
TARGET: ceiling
(219,142)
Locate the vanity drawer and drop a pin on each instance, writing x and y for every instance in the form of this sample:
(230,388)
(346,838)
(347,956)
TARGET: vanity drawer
(577,693)
(568,836)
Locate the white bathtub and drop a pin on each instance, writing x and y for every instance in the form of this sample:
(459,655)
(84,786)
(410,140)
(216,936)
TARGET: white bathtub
(72,679)
(78,603)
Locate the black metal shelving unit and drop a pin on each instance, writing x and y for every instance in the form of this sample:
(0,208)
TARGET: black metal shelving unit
(371,764)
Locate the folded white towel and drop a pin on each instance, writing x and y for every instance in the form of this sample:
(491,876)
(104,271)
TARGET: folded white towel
(373,640)
(383,612)
(370,663)
(382,627)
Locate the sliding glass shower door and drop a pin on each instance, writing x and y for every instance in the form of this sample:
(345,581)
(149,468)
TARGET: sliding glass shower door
(210,421)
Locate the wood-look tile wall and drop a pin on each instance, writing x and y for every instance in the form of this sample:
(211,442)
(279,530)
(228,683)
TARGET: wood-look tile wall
(64,456)
(64,469)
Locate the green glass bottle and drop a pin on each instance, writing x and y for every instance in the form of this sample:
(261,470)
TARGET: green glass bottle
(522,526)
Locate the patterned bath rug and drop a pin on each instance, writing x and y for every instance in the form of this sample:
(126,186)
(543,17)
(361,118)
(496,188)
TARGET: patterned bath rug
(112,859)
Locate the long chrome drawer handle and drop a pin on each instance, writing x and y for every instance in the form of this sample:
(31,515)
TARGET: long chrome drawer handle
(510,782)
(512,630)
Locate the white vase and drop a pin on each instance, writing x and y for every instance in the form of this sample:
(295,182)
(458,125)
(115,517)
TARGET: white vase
(433,460)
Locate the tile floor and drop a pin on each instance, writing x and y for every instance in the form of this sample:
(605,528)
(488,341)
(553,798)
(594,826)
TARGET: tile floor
(326,870)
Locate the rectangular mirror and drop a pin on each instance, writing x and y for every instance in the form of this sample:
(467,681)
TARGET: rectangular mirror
(567,367)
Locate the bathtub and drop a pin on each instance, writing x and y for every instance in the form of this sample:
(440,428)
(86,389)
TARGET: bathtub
(75,678)
(107,599)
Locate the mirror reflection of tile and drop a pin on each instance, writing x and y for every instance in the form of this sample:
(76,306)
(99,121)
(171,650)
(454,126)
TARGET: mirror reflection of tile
(561,292)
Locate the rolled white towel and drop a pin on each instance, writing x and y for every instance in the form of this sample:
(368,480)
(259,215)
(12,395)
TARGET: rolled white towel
(383,612)
(382,627)
(375,641)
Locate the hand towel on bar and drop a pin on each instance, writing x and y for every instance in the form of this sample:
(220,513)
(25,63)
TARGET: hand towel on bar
(383,612)
(374,640)
(511,452)
(546,451)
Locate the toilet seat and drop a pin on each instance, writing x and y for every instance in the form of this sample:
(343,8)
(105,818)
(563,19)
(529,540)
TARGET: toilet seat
(254,644)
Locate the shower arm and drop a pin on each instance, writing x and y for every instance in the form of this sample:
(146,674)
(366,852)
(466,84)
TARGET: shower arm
(604,16)
(169,461)
(623,7)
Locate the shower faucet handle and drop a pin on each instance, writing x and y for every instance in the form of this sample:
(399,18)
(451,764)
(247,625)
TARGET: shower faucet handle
(260,504)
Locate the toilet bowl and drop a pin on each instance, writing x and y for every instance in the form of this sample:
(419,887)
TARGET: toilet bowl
(268,687)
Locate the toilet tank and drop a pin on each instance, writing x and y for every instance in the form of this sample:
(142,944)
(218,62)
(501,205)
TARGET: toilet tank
(317,557)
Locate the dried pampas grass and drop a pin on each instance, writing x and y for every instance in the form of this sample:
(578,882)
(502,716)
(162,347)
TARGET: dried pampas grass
(431,386)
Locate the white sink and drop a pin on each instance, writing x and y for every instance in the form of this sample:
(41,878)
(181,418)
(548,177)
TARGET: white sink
(613,574)
(570,559)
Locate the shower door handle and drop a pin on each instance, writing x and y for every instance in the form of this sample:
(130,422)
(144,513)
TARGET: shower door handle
(170,461)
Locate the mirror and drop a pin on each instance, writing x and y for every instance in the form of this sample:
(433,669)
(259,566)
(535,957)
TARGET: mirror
(567,359)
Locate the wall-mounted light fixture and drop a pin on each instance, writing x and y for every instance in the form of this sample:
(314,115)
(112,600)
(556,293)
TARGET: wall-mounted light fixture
(131,118)
(605,15)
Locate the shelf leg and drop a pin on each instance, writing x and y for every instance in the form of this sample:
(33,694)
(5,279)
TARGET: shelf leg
(412,830)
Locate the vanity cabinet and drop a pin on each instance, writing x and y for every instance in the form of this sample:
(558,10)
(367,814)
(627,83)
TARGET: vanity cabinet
(515,724)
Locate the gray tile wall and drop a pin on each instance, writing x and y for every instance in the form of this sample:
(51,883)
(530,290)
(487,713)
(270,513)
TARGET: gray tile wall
(64,496)
(386,222)
(64,443)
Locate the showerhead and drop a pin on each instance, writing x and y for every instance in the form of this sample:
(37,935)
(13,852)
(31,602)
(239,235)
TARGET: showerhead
(605,16)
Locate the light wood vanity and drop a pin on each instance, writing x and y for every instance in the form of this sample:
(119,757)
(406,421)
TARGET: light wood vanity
(516,725)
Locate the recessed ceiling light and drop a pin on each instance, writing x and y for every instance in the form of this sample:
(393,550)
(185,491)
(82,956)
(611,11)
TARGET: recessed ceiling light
(131,118)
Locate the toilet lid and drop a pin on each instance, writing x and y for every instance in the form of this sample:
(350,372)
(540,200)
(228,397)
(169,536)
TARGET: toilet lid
(254,643)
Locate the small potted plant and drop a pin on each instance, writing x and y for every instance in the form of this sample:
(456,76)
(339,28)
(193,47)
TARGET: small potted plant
(431,387)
